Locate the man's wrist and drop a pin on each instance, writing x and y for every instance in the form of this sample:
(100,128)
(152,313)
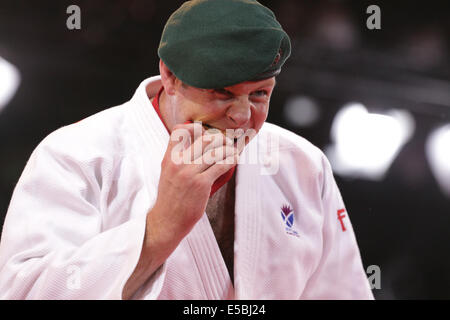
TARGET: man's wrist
(161,237)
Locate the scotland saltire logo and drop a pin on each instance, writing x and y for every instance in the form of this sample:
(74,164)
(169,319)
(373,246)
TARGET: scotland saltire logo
(288,217)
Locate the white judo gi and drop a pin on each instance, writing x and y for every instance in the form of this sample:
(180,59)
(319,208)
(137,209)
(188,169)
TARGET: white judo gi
(76,221)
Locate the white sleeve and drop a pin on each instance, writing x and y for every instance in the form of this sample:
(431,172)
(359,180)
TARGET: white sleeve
(340,273)
(53,245)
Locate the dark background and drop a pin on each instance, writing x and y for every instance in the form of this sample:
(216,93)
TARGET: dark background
(401,222)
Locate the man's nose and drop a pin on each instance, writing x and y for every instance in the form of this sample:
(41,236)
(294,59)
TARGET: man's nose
(239,113)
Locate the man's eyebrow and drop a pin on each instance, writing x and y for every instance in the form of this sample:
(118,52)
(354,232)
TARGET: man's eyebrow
(223,90)
(267,84)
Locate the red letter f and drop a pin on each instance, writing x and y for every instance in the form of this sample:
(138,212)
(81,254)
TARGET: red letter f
(340,217)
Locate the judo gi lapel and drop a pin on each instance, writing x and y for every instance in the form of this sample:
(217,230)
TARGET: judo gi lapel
(248,208)
(155,137)
(247,231)
(209,261)
(257,197)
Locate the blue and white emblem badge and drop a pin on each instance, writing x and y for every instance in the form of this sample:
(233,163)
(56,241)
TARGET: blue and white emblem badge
(287,213)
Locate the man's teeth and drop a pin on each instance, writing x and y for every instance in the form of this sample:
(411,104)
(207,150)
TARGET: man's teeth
(232,134)
(208,127)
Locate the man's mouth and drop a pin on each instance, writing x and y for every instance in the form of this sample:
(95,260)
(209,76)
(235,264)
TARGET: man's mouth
(232,134)
(207,126)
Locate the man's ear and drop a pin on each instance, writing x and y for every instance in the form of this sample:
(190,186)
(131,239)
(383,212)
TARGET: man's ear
(168,79)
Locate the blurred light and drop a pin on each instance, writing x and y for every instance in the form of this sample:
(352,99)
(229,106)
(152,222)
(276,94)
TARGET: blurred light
(301,111)
(9,82)
(426,47)
(366,144)
(437,150)
(335,28)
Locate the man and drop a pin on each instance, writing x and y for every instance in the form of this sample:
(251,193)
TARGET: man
(116,206)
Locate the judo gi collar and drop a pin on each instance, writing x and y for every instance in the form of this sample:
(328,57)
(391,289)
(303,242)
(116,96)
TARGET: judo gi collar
(224,178)
(213,44)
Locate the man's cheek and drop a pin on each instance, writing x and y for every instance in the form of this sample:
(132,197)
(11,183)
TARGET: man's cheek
(259,120)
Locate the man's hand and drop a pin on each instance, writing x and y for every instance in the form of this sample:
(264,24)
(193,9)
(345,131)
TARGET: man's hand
(188,170)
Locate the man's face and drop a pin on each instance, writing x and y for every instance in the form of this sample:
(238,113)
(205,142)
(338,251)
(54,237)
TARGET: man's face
(241,106)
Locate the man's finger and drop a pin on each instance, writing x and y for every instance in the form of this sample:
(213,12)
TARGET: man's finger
(220,167)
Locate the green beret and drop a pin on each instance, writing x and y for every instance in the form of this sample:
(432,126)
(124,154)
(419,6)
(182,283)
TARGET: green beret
(218,43)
